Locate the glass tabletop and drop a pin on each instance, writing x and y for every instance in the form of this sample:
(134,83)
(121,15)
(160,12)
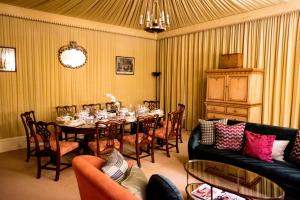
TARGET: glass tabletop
(234,179)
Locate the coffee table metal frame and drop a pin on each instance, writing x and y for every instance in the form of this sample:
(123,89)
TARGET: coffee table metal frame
(191,186)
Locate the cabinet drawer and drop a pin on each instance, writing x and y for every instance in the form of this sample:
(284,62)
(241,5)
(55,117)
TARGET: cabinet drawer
(220,109)
(238,118)
(215,116)
(237,111)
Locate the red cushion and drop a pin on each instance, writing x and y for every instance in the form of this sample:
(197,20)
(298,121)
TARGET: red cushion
(259,146)
(229,137)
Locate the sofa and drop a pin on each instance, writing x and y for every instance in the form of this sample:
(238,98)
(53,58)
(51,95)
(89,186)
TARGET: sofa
(284,173)
(93,184)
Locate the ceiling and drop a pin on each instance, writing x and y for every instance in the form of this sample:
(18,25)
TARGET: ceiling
(126,12)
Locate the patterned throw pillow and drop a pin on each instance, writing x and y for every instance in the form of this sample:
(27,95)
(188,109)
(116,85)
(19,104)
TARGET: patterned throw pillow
(295,154)
(229,137)
(116,166)
(208,131)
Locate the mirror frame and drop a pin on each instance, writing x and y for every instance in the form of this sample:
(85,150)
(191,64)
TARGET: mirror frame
(72,45)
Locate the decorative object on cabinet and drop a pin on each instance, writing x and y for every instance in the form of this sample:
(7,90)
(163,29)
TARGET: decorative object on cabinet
(125,65)
(234,94)
(8,59)
(234,60)
(72,55)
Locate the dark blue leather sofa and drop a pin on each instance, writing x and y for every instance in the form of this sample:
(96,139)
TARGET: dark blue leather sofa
(285,174)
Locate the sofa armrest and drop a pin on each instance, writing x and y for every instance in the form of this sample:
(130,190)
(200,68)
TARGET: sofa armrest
(194,140)
(93,183)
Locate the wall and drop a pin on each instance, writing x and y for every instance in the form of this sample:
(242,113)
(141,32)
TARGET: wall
(41,83)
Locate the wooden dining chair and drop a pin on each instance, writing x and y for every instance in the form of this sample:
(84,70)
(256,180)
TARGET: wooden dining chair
(169,132)
(26,117)
(93,106)
(112,107)
(143,138)
(50,146)
(108,136)
(152,105)
(180,108)
(64,111)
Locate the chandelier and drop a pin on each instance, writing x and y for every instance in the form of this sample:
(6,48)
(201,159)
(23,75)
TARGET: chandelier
(154,20)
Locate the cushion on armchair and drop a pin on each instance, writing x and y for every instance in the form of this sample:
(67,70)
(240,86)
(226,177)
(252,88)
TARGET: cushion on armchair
(116,166)
(136,182)
(159,187)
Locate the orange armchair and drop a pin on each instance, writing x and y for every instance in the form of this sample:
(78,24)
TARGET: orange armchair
(94,184)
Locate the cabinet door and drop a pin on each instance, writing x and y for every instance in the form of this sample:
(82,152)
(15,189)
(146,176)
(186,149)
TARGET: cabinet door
(237,88)
(215,88)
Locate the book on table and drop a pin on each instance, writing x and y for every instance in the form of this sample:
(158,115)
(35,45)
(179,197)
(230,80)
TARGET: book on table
(204,192)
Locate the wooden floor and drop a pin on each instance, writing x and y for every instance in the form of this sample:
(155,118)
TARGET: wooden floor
(18,182)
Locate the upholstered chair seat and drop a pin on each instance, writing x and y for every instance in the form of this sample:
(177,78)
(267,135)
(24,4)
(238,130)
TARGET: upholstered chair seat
(132,138)
(65,147)
(103,145)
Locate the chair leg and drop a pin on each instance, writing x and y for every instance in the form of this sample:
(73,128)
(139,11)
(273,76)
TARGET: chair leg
(137,150)
(152,153)
(28,152)
(57,169)
(177,149)
(39,167)
(180,136)
(167,148)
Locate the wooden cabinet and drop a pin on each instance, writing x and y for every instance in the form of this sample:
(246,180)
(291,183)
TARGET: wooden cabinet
(234,94)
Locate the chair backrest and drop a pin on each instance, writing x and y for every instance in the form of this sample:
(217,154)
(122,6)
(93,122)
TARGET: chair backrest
(94,184)
(26,118)
(149,124)
(111,106)
(109,131)
(65,110)
(48,132)
(93,106)
(180,108)
(173,122)
(152,105)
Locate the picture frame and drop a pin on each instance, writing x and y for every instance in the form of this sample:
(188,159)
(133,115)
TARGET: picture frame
(125,65)
(8,59)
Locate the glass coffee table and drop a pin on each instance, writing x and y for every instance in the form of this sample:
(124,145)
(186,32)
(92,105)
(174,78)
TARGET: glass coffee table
(229,179)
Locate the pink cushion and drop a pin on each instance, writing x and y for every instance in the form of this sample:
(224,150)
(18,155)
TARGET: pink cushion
(229,137)
(259,146)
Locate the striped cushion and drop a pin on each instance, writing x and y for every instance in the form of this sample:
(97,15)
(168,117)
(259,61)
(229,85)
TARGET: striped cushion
(208,131)
(229,137)
(116,166)
(295,154)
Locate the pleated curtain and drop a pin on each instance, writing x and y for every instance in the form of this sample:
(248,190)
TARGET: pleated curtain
(271,43)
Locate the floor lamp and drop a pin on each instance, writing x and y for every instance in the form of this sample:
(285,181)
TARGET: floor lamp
(156,75)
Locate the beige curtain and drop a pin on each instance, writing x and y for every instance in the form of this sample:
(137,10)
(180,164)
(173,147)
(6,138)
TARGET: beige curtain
(272,44)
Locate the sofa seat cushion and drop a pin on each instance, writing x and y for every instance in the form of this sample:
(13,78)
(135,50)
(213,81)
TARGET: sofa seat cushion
(136,182)
(279,172)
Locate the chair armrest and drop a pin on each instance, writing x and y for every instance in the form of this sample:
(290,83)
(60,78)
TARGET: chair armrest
(194,140)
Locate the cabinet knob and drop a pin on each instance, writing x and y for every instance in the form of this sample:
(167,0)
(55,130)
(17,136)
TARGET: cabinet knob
(234,111)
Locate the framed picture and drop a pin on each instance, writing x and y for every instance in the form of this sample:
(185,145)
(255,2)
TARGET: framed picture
(8,59)
(125,65)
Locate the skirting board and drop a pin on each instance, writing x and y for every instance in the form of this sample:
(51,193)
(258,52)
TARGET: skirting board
(10,144)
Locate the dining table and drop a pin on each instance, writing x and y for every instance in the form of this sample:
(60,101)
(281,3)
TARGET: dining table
(84,122)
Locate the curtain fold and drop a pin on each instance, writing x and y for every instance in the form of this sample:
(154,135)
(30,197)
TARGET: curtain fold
(271,43)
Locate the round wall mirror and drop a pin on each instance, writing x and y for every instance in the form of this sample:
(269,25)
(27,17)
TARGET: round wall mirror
(72,55)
